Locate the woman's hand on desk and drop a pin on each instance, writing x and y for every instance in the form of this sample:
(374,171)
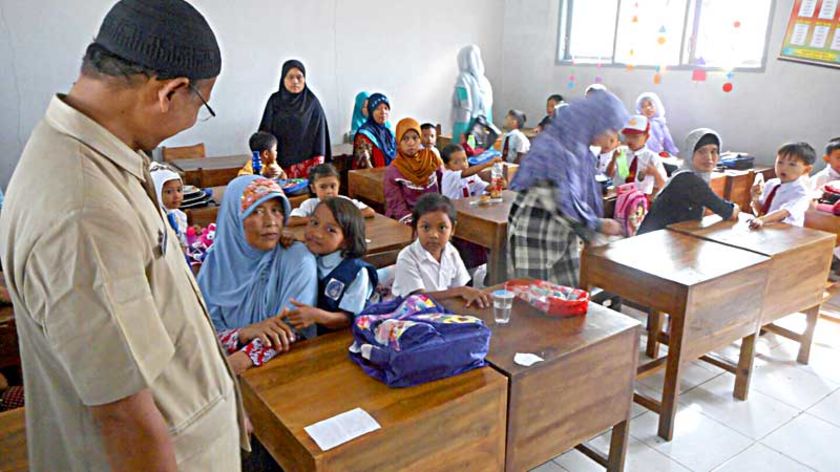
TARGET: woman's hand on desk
(610,227)
(273,332)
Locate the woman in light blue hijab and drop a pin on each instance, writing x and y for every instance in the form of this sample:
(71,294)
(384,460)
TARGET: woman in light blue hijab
(244,283)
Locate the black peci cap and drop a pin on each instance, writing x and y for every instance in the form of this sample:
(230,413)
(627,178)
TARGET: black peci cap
(170,37)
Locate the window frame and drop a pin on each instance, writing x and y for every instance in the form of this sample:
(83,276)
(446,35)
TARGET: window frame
(687,51)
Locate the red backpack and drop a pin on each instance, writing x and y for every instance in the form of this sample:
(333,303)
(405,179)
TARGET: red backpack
(631,206)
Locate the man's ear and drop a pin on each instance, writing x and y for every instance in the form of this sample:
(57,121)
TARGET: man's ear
(167,91)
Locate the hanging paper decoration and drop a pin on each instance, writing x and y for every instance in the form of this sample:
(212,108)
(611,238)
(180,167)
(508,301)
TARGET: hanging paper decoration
(661,40)
(635,19)
(698,75)
(630,67)
(727,87)
(737,24)
(657,78)
(730,75)
(571,83)
(662,29)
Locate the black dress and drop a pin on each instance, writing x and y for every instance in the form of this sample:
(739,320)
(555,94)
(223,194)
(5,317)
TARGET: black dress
(684,199)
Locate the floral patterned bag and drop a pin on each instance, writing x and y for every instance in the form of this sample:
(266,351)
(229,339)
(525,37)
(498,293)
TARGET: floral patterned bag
(414,340)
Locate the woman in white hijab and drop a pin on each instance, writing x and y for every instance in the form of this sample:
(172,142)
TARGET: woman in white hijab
(473,93)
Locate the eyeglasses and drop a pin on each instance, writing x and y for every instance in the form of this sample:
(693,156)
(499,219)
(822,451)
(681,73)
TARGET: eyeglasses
(204,116)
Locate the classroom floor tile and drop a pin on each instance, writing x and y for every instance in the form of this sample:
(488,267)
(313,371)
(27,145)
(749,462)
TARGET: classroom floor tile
(791,383)
(694,374)
(755,418)
(640,458)
(760,458)
(700,443)
(809,440)
(549,466)
(828,409)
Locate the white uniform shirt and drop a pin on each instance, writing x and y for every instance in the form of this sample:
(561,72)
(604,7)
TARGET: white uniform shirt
(307,208)
(456,187)
(645,157)
(418,270)
(517,143)
(795,197)
(823,177)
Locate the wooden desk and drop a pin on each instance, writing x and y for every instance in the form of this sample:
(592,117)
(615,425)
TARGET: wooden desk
(712,292)
(387,237)
(823,221)
(210,171)
(486,226)
(13,454)
(456,423)
(203,216)
(800,259)
(584,386)
(368,186)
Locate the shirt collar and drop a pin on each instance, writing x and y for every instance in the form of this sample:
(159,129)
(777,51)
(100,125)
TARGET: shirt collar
(328,262)
(74,123)
(425,255)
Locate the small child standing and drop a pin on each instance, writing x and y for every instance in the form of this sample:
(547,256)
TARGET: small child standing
(516,144)
(832,166)
(336,236)
(263,147)
(554,101)
(170,193)
(324,181)
(431,264)
(459,179)
(644,167)
(787,197)
(429,136)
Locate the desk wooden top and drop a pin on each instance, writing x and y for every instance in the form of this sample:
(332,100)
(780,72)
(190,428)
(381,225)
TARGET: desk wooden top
(385,234)
(552,338)
(235,161)
(770,240)
(495,213)
(422,426)
(13,454)
(823,221)
(676,257)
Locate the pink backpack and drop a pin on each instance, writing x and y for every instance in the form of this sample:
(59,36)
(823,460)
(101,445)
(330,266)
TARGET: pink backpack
(631,206)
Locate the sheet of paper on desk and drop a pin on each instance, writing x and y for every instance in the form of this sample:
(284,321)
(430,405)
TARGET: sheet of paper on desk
(341,428)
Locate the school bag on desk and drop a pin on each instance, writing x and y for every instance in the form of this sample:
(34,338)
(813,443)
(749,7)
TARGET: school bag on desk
(414,340)
(631,206)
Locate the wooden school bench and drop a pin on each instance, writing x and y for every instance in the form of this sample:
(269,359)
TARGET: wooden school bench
(712,293)
(582,388)
(13,453)
(457,423)
(386,238)
(823,221)
(800,259)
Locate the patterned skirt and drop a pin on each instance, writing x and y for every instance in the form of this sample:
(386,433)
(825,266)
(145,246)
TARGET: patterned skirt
(542,243)
(301,169)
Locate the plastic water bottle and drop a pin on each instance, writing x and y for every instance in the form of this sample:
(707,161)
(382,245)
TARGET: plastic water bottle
(496,174)
(256,163)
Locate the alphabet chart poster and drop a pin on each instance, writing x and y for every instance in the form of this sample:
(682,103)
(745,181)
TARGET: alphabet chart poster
(813,33)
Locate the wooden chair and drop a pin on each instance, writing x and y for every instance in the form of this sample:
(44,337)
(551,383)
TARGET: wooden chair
(183,152)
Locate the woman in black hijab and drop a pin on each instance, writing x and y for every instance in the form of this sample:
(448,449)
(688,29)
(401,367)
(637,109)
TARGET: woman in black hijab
(294,116)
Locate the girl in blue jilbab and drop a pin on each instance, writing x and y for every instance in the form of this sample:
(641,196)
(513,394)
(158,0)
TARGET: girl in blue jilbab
(559,200)
(249,279)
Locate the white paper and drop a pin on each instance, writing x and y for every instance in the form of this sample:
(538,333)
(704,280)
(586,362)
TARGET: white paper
(339,429)
(820,35)
(829,7)
(526,359)
(800,34)
(835,44)
(807,8)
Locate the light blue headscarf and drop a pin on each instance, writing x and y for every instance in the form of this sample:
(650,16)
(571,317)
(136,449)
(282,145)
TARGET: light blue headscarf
(358,118)
(561,155)
(243,285)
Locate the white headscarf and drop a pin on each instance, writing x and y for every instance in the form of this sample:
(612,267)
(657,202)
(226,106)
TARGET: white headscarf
(659,115)
(161,175)
(471,77)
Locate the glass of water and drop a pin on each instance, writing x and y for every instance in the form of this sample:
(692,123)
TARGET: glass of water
(502,304)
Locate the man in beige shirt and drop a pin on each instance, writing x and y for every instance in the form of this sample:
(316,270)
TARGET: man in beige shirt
(122,368)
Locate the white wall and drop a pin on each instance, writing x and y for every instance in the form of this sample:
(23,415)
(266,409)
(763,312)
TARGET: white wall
(407,50)
(785,102)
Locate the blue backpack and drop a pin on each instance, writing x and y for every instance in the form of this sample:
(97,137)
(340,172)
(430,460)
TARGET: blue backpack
(410,341)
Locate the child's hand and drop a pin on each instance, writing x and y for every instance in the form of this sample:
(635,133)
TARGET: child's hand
(651,170)
(303,316)
(273,171)
(496,160)
(476,297)
(287,239)
(756,223)
(610,227)
(503,183)
(755,191)
(735,211)
(273,333)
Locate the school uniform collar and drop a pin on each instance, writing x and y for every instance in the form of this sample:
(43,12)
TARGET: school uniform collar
(67,120)
(423,255)
(328,262)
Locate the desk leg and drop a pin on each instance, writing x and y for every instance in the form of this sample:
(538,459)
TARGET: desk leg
(618,446)
(654,328)
(743,373)
(496,264)
(811,316)
(673,372)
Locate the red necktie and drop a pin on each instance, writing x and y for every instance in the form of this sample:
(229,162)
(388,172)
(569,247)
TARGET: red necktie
(769,201)
(505,148)
(631,176)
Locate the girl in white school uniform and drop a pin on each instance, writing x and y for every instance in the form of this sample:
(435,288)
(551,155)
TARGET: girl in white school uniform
(431,264)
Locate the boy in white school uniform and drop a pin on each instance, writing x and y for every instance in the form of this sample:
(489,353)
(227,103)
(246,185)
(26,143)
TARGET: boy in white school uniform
(516,144)
(787,197)
(460,180)
(832,167)
(644,167)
